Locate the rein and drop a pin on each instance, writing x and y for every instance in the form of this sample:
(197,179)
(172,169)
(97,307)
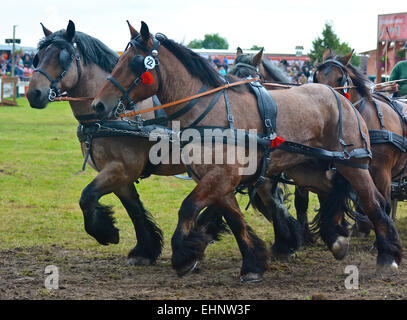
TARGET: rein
(199,95)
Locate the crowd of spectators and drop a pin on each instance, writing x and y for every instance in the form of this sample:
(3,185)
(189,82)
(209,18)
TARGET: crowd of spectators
(220,63)
(23,67)
(298,71)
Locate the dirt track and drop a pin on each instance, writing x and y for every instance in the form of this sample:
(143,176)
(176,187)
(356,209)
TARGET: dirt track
(314,274)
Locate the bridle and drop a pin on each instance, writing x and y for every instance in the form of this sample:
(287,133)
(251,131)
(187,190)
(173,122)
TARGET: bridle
(65,58)
(328,64)
(139,65)
(254,69)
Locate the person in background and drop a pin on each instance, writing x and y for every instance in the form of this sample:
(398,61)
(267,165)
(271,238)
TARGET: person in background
(399,72)
(302,79)
(222,70)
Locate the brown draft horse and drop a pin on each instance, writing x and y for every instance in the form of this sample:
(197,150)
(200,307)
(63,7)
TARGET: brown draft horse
(389,158)
(246,65)
(113,158)
(308,115)
(122,161)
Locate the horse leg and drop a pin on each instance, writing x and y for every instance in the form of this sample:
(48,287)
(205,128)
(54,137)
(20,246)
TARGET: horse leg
(329,219)
(149,236)
(252,248)
(374,205)
(188,242)
(98,219)
(301,201)
(287,234)
(210,221)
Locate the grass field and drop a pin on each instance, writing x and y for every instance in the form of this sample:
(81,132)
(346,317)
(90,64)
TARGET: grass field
(40,186)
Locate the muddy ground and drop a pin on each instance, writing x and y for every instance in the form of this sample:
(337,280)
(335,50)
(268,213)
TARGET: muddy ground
(314,274)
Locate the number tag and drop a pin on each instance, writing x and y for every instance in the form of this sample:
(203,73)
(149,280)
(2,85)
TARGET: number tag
(149,62)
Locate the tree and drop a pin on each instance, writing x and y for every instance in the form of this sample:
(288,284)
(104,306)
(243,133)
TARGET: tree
(331,40)
(210,41)
(255,47)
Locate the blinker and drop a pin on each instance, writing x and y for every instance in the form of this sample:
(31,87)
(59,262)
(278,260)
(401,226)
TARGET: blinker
(137,64)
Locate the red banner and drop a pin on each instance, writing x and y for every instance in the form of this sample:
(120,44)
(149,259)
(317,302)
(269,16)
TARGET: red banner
(396,25)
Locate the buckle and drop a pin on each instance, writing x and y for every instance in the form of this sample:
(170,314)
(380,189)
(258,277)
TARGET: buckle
(52,95)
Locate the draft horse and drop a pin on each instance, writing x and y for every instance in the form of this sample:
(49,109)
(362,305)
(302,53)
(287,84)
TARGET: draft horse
(314,120)
(384,117)
(246,65)
(74,62)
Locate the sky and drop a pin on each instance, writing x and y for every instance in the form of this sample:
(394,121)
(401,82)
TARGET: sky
(278,26)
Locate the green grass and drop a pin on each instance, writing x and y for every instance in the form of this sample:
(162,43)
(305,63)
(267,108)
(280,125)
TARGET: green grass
(41,182)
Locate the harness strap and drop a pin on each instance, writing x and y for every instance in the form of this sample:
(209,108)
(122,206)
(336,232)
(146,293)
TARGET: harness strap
(229,110)
(207,110)
(385,136)
(379,113)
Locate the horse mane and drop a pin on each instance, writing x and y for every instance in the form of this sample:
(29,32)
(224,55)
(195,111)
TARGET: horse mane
(277,74)
(195,64)
(92,49)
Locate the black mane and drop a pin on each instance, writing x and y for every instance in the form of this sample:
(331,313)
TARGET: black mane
(194,63)
(91,49)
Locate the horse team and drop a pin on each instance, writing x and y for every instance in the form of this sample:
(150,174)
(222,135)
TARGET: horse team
(335,146)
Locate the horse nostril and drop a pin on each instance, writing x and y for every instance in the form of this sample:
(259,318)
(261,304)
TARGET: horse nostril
(100,107)
(37,94)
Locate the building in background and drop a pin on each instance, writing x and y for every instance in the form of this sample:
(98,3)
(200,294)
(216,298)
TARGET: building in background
(391,40)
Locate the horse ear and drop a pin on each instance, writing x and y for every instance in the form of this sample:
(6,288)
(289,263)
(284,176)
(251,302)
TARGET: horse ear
(133,32)
(327,53)
(239,51)
(145,33)
(347,58)
(257,58)
(45,30)
(70,31)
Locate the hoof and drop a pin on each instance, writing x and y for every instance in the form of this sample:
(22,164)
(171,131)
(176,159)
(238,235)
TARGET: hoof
(251,277)
(283,257)
(188,269)
(340,248)
(388,270)
(139,261)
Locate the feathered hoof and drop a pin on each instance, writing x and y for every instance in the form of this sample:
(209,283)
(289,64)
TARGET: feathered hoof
(387,270)
(340,248)
(251,277)
(139,261)
(187,270)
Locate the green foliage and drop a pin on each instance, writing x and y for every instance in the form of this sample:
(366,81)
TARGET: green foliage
(210,41)
(331,40)
(255,47)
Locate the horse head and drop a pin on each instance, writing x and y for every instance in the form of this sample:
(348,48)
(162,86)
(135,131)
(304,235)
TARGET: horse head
(54,72)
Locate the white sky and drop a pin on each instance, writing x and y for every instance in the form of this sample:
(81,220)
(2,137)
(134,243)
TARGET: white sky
(277,25)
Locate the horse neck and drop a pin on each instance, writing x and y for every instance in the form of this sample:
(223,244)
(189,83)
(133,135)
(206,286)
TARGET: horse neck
(92,78)
(177,82)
